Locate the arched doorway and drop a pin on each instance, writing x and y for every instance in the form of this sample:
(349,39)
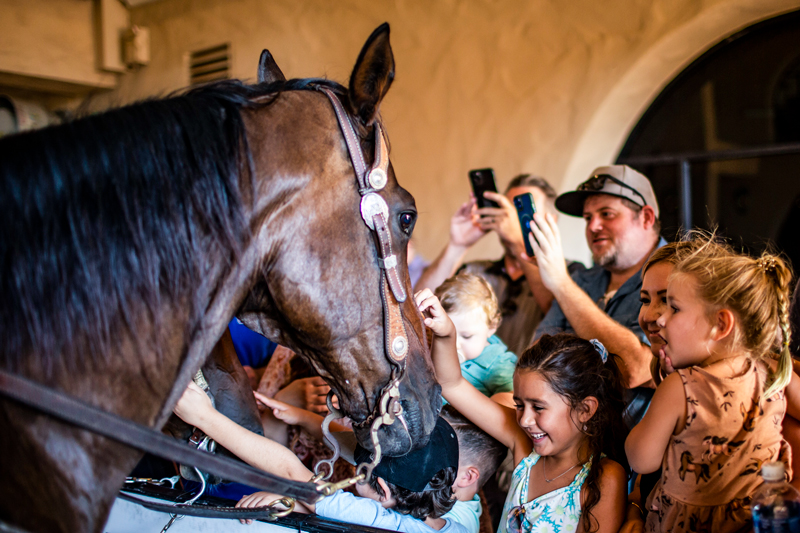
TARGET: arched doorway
(721,143)
(640,85)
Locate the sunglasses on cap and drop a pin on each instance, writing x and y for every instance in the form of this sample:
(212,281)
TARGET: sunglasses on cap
(596,184)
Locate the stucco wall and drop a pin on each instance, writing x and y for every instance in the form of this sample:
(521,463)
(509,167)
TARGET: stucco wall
(50,39)
(549,87)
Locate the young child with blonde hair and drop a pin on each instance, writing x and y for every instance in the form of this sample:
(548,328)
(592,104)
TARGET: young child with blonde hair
(717,419)
(485,361)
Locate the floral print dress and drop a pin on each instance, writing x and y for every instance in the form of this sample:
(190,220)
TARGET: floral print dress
(558,511)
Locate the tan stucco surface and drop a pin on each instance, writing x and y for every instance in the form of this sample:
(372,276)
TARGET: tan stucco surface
(52,39)
(548,87)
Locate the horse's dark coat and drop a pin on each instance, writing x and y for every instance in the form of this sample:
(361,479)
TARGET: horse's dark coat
(129,239)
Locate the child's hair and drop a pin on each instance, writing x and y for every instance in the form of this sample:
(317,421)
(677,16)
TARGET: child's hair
(475,446)
(671,253)
(575,370)
(436,500)
(466,291)
(755,290)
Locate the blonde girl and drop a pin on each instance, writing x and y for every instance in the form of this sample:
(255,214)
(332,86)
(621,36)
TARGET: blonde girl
(564,434)
(713,422)
(653,297)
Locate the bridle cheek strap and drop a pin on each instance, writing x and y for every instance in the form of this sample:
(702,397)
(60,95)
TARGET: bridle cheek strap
(375,213)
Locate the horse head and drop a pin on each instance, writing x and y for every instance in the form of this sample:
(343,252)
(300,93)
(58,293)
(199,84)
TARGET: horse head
(302,299)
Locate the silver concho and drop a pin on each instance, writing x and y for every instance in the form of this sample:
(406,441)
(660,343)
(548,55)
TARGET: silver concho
(377,178)
(399,346)
(372,204)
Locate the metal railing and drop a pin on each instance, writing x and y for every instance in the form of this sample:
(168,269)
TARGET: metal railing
(685,159)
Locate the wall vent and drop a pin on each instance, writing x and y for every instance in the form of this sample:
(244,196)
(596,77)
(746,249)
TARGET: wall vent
(210,64)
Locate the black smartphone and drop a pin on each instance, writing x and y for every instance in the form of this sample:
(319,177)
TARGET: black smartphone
(482,180)
(525,210)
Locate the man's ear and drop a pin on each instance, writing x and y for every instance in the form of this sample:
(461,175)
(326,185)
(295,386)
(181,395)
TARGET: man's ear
(469,476)
(724,322)
(648,216)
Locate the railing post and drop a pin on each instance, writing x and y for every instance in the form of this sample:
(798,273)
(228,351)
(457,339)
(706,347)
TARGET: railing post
(685,192)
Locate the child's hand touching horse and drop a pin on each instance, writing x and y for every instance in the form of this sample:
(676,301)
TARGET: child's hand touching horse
(193,406)
(444,351)
(434,315)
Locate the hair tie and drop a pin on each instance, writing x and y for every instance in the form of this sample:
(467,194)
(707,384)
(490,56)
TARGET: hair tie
(600,349)
(766,264)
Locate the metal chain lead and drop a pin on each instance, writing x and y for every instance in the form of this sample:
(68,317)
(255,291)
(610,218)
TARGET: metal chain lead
(389,409)
(330,441)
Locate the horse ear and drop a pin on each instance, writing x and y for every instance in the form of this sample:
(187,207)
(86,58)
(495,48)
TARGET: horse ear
(372,75)
(268,70)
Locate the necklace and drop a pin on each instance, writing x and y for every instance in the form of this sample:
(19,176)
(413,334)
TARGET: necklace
(564,473)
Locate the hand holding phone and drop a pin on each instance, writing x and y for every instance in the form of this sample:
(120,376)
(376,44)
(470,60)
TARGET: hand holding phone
(482,180)
(525,210)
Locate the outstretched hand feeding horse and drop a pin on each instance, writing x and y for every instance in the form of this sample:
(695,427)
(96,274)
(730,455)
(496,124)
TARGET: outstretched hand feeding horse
(130,238)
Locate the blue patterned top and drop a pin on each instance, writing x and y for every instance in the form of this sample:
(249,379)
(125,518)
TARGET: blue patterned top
(558,511)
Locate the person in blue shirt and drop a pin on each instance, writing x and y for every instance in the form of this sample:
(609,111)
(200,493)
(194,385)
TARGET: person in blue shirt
(485,361)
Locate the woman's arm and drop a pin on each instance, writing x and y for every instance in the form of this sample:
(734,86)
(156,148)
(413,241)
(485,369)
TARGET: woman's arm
(609,513)
(498,421)
(648,440)
(195,408)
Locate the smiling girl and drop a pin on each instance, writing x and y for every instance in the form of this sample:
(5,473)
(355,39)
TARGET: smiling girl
(712,423)
(565,433)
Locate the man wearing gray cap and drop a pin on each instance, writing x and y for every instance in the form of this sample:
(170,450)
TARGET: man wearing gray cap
(622,230)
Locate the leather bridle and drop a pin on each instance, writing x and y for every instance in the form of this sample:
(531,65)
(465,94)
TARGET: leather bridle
(375,213)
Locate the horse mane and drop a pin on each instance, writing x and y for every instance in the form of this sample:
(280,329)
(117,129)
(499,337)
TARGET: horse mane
(106,217)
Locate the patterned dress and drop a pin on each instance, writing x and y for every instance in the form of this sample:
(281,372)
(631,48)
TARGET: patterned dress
(558,511)
(712,466)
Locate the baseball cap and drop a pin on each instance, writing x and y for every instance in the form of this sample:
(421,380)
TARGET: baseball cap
(415,470)
(616,180)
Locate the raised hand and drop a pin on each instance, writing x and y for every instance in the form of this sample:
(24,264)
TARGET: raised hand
(546,242)
(464,228)
(504,221)
(434,315)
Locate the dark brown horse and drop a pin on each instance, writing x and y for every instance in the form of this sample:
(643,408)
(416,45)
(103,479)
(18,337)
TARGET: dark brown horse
(129,239)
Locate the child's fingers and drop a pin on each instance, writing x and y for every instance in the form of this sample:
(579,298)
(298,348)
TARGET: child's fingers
(422,295)
(272,403)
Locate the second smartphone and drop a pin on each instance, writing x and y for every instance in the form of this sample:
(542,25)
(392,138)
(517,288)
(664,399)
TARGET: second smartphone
(525,210)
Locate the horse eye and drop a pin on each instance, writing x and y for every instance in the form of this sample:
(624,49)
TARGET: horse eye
(407,222)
